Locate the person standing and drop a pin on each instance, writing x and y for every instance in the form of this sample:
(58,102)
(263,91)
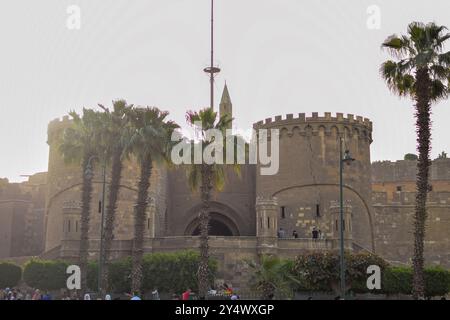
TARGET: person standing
(135,296)
(315,234)
(155,294)
(186,295)
(295,234)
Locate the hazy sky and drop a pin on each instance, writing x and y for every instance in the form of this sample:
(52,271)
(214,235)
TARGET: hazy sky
(277,56)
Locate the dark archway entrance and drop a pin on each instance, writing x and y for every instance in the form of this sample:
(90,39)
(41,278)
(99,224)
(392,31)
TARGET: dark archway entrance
(216,228)
(219,225)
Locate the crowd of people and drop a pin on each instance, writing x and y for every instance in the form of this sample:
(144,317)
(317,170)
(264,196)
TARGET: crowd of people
(36,294)
(20,294)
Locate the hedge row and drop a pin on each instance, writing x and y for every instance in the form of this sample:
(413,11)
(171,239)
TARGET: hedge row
(10,274)
(399,280)
(169,272)
(320,272)
(45,274)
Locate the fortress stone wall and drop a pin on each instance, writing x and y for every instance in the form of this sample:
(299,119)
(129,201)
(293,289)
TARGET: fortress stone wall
(394,204)
(245,216)
(307,183)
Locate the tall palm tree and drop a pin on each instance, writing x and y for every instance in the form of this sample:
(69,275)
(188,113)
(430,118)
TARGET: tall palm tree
(421,71)
(80,145)
(206,177)
(149,143)
(115,130)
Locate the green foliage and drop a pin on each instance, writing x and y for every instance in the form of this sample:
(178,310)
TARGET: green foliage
(10,274)
(318,271)
(398,280)
(169,272)
(173,272)
(437,281)
(45,275)
(272,277)
(442,155)
(410,157)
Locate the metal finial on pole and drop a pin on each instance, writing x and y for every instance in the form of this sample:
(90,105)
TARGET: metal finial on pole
(211,70)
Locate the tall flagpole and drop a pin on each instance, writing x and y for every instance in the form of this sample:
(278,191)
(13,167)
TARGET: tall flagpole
(211,69)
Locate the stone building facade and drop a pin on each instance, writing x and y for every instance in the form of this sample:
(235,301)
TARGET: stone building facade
(393,199)
(22,217)
(246,215)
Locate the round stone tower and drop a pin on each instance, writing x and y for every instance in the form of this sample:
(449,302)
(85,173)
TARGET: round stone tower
(63,206)
(306,184)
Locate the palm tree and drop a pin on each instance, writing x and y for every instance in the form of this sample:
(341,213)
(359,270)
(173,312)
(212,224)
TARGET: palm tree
(206,177)
(271,276)
(149,143)
(115,130)
(421,71)
(80,145)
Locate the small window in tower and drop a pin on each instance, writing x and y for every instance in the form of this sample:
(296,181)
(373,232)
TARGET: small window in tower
(336,225)
(268,223)
(318,210)
(76,226)
(148,223)
(68,225)
(399,188)
(283,212)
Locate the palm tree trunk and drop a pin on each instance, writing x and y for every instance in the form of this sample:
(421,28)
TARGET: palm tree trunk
(423,124)
(203,268)
(139,224)
(86,197)
(108,236)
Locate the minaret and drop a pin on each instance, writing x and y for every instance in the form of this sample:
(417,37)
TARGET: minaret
(226,107)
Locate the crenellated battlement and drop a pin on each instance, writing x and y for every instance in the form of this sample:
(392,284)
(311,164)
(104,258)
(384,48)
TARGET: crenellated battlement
(331,125)
(339,118)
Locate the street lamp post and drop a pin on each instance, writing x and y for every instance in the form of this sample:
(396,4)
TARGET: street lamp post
(89,172)
(344,157)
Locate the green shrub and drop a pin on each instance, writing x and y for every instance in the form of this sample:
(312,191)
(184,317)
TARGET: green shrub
(45,275)
(318,271)
(92,276)
(10,274)
(169,272)
(120,276)
(397,280)
(437,281)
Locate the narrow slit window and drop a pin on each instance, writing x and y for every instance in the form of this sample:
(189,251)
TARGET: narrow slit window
(283,212)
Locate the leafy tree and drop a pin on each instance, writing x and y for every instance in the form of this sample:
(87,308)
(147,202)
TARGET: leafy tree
(410,157)
(149,142)
(443,155)
(421,71)
(45,274)
(10,274)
